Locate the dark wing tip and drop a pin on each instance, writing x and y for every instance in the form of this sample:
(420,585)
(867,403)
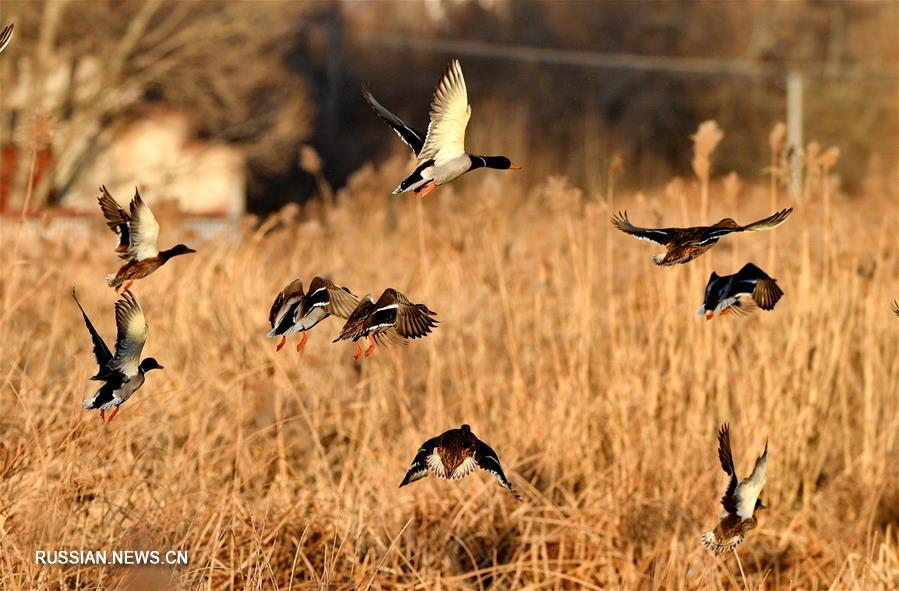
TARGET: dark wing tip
(725,455)
(619,219)
(895,308)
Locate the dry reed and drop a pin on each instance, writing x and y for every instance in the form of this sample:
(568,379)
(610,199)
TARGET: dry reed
(280,471)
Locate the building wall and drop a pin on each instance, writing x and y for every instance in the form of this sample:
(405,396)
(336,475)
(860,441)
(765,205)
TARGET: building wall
(158,156)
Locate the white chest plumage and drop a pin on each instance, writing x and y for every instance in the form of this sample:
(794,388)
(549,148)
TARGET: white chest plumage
(447,171)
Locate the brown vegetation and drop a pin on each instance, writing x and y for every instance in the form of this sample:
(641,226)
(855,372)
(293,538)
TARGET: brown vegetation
(601,397)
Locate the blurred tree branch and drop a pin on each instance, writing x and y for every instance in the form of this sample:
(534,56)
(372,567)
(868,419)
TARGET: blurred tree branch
(222,62)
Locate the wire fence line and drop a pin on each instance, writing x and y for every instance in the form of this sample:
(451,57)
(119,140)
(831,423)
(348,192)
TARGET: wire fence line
(685,66)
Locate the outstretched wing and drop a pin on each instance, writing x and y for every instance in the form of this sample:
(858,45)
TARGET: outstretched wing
(131,334)
(715,232)
(752,281)
(419,467)
(413,321)
(336,300)
(6,36)
(450,112)
(725,456)
(657,235)
(412,137)
(118,221)
(101,352)
(144,230)
(750,488)
(489,461)
(769,222)
(766,293)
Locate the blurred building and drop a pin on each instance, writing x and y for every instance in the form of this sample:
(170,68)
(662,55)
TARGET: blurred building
(160,155)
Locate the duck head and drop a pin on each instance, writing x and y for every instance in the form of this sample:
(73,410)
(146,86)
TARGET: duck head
(497,162)
(148,364)
(176,250)
(727,223)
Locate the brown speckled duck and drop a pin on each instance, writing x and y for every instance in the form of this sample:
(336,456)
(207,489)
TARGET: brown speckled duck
(685,244)
(391,318)
(454,455)
(741,500)
(137,233)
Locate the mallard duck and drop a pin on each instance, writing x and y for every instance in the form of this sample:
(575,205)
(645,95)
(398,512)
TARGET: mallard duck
(685,244)
(122,374)
(6,36)
(441,153)
(740,501)
(137,233)
(392,316)
(722,294)
(293,311)
(454,455)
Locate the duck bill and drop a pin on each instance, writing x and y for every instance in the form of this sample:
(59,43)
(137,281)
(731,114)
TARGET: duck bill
(514,166)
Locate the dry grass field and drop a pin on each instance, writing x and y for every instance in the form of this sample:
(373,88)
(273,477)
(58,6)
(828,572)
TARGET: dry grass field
(565,348)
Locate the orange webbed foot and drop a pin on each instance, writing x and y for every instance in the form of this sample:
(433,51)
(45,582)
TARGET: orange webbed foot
(358,354)
(114,413)
(427,189)
(302,344)
(281,343)
(371,347)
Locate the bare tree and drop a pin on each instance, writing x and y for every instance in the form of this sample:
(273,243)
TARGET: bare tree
(93,67)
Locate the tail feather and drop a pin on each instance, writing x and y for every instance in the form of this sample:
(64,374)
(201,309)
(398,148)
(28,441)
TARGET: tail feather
(659,259)
(711,542)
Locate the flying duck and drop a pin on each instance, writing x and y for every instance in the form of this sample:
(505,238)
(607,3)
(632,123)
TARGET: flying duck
(6,36)
(722,294)
(392,316)
(685,244)
(122,374)
(293,311)
(137,233)
(441,152)
(454,455)
(741,500)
